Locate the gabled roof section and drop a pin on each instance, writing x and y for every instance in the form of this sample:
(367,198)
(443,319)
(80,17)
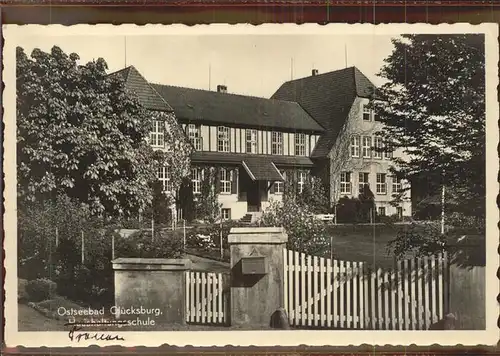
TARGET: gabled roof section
(328,98)
(231,109)
(148,96)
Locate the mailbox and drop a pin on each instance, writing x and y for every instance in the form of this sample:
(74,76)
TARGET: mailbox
(253,265)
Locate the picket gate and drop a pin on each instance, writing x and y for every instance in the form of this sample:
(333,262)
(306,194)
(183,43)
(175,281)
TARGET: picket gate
(206,300)
(324,293)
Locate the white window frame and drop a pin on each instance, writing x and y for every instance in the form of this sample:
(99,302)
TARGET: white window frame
(381,183)
(194,135)
(251,141)
(377,144)
(279,187)
(301,181)
(276,143)
(223,143)
(300,144)
(345,183)
(367,113)
(196,178)
(157,135)
(367,147)
(225,213)
(361,182)
(165,177)
(397,185)
(225,180)
(354,146)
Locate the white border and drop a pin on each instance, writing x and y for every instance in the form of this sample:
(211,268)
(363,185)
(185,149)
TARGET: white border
(490,336)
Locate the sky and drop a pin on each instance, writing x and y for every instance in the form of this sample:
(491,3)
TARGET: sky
(253,65)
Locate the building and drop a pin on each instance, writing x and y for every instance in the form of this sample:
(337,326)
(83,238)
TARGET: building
(252,144)
(344,157)
(318,125)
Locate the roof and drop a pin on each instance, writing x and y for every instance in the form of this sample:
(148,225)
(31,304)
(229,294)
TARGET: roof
(238,158)
(328,98)
(148,96)
(231,109)
(261,168)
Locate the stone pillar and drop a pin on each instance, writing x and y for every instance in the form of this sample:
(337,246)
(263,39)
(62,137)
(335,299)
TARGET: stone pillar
(256,274)
(151,283)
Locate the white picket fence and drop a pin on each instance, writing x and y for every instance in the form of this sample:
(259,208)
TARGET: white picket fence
(205,298)
(324,293)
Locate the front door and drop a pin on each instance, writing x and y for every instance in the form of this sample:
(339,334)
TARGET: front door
(253,197)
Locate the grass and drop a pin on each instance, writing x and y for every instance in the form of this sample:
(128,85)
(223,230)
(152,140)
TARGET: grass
(366,243)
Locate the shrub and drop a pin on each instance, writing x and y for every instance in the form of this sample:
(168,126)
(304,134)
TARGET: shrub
(305,232)
(22,294)
(40,289)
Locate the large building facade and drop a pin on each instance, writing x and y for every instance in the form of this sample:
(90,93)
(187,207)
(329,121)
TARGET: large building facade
(320,125)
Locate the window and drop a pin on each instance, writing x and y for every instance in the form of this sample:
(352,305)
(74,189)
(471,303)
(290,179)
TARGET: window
(381,184)
(277,143)
(279,187)
(388,154)
(300,144)
(367,146)
(378,146)
(399,212)
(366,113)
(196,180)
(164,175)
(223,139)
(355,146)
(302,180)
(345,183)
(396,185)
(157,135)
(381,211)
(375,116)
(251,141)
(194,136)
(363,181)
(225,181)
(226,214)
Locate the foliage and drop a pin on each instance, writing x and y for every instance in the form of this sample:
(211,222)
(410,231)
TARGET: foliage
(161,206)
(305,232)
(207,205)
(40,289)
(314,195)
(436,113)
(166,244)
(79,133)
(22,294)
(356,210)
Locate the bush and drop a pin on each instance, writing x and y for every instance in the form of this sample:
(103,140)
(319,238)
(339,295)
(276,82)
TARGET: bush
(305,232)
(40,289)
(22,294)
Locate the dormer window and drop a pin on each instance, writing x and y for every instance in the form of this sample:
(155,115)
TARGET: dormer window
(300,144)
(223,139)
(194,135)
(277,143)
(157,134)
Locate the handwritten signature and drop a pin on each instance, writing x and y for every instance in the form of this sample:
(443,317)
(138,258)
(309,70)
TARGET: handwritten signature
(75,335)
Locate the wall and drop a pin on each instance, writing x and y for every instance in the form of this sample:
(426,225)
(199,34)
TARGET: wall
(151,283)
(342,161)
(248,292)
(237,140)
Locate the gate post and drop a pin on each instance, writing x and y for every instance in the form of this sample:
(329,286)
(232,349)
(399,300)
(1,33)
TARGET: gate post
(257,274)
(152,285)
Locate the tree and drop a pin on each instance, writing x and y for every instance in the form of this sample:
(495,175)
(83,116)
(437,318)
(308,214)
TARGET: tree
(80,134)
(433,108)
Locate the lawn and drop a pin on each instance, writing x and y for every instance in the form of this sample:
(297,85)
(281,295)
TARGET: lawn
(367,243)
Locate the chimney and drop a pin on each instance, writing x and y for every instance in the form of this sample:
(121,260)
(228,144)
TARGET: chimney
(314,72)
(221,89)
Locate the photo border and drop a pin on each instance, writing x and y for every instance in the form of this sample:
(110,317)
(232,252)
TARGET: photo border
(489,157)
